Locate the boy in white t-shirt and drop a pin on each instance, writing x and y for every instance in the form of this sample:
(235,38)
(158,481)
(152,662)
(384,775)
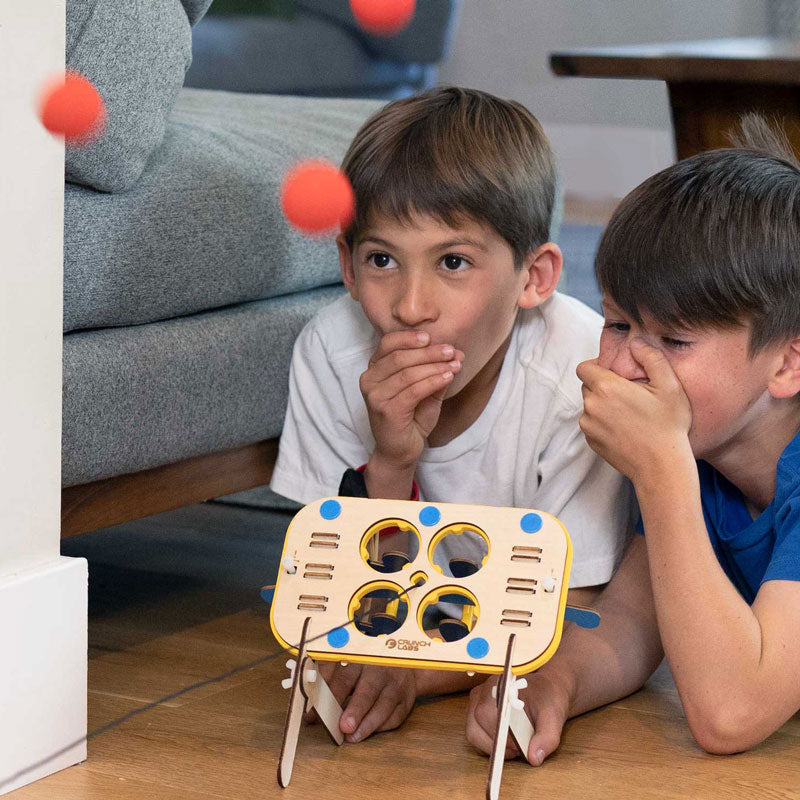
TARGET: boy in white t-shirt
(448,371)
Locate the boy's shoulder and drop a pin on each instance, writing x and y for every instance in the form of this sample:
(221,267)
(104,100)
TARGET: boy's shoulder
(560,330)
(340,329)
(566,313)
(552,339)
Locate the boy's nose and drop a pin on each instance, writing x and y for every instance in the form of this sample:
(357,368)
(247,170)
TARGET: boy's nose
(619,360)
(416,303)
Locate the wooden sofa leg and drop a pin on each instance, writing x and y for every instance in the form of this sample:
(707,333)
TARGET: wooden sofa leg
(140,494)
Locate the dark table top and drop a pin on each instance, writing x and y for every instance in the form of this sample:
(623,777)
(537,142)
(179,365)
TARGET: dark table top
(752,60)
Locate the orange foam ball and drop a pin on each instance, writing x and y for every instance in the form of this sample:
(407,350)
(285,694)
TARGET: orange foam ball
(383,17)
(317,198)
(71,107)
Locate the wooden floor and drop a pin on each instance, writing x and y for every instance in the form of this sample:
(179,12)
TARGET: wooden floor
(162,620)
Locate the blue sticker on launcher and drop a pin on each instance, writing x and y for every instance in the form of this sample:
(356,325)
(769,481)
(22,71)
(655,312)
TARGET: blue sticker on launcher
(582,616)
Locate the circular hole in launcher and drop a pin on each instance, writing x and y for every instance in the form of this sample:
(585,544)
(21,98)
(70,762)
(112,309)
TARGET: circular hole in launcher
(378,608)
(459,550)
(448,613)
(390,545)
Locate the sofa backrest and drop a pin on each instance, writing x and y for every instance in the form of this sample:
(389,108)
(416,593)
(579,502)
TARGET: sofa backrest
(425,41)
(136,54)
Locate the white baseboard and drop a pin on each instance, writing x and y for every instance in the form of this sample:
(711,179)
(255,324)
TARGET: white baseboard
(43,660)
(607,161)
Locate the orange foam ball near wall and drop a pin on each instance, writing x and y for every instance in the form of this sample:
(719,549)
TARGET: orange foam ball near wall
(317,198)
(71,107)
(383,17)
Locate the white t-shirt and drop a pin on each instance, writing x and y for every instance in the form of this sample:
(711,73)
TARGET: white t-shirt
(525,450)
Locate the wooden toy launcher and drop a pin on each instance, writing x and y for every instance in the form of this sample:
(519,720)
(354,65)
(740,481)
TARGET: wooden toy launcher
(336,568)
(430,585)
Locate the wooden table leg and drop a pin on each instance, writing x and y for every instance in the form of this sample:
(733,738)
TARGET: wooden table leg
(704,113)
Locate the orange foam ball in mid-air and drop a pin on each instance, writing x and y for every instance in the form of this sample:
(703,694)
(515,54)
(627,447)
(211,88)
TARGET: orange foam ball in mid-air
(317,198)
(383,17)
(71,107)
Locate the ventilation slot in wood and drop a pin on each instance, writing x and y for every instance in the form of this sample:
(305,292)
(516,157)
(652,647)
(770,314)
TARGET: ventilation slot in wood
(325,540)
(516,617)
(312,602)
(320,571)
(526,553)
(521,586)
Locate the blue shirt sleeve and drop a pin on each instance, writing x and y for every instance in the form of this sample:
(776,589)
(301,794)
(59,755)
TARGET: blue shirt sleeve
(785,561)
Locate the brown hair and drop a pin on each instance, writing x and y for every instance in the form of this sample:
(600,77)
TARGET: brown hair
(713,240)
(450,153)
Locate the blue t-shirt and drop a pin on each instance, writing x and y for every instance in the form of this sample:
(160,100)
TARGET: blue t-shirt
(753,551)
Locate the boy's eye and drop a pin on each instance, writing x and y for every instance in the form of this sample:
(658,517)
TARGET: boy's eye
(379,260)
(617,327)
(676,344)
(452,263)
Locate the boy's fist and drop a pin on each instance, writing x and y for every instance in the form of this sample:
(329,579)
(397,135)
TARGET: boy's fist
(403,388)
(372,698)
(546,704)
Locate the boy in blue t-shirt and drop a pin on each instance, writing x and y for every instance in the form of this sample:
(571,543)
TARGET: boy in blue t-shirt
(695,396)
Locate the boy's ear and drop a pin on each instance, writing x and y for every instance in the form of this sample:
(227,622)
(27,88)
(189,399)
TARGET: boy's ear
(543,267)
(785,379)
(346,266)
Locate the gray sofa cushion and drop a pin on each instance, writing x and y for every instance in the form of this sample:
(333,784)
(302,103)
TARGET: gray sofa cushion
(202,228)
(425,40)
(264,54)
(148,395)
(195,9)
(136,55)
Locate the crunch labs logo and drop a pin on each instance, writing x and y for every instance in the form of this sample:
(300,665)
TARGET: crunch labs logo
(407,644)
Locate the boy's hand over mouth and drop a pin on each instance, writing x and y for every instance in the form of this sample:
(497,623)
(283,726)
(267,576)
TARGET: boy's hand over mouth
(403,388)
(635,424)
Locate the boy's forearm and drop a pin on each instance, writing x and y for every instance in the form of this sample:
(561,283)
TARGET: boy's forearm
(388,481)
(438,681)
(595,666)
(711,636)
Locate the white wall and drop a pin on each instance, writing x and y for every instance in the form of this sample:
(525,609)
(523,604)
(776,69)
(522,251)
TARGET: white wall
(503,46)
(43,613)
(31,210)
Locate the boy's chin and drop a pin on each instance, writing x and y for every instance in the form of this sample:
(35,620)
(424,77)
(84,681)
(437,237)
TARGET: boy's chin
(453,389)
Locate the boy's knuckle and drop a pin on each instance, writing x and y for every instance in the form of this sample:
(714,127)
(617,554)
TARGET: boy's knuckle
(407,375)
(392,691)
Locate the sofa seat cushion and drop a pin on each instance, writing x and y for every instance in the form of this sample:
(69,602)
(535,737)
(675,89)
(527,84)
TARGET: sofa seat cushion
(202,228)
(148,395)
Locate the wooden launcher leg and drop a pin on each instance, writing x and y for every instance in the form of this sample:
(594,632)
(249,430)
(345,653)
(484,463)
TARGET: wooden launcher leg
(510,716)
(308,690)
(294,715)
(319,697)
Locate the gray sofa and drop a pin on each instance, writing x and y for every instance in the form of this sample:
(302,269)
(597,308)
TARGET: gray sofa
(184,288)
(184,294)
